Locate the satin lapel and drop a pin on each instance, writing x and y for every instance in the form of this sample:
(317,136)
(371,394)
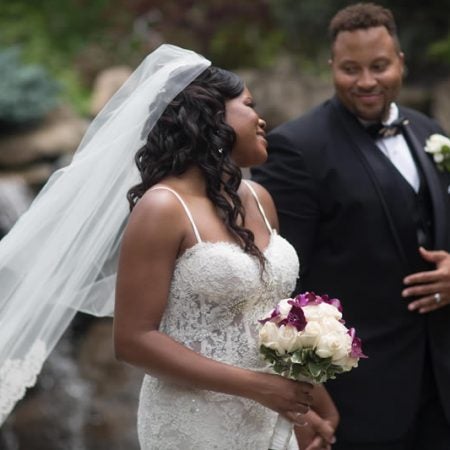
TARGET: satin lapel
(437,196)
(376,166)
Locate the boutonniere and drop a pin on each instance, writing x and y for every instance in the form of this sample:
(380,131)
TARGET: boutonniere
(439,146)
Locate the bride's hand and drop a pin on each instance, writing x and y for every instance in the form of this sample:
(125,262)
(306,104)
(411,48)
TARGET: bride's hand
(291,399)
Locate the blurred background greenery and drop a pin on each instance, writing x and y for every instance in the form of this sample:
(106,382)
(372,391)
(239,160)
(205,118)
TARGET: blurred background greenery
(72,40)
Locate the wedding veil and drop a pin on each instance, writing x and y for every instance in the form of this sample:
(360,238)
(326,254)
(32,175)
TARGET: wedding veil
(61,255)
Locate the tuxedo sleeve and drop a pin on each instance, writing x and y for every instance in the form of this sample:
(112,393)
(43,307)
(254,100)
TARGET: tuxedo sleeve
(288,179)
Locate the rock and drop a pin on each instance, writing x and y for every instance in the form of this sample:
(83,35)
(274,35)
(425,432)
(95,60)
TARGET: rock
(114,391)
(35,175)
(60,134)
(283,93)
(39,427)
(416,97)
(15,197)
(441,104)
(105,86)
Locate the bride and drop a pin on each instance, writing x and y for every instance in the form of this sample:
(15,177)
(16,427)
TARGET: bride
(200,263)
(200,259)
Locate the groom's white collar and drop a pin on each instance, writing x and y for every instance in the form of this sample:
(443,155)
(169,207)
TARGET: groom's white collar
(392,115)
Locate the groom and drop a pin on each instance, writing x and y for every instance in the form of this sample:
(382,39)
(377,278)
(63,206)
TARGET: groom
(369,216)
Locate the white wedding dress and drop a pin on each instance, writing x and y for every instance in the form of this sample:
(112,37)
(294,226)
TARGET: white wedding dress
(216,299)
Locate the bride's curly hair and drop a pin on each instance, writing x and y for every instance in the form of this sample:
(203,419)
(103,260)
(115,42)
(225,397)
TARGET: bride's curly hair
(192,131)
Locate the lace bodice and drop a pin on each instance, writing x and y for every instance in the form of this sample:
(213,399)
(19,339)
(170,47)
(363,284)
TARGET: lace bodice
(218,292)
(216,298)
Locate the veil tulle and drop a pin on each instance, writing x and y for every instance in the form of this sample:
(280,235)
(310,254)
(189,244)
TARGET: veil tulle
(61,255)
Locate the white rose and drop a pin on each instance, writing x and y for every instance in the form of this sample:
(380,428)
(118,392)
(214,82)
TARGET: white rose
(334,345)
(284,308)
(317,312)
(331,325)
(281,339)
(435,143)
(309,337)
(438,157)
(268,336)
(287,336)
(347,363)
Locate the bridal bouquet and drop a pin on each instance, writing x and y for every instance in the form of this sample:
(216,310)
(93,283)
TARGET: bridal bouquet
(305,339)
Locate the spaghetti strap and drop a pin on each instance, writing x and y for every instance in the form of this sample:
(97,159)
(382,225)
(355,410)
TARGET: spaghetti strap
(186,209)
(261,210)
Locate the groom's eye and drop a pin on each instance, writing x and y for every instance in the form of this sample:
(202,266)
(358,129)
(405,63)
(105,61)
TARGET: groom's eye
(380,66)
(349,70)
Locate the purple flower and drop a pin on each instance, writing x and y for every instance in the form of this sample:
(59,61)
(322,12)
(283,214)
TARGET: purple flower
(307,298)
(356,351)
(296,317)
(333,302)
(310,298)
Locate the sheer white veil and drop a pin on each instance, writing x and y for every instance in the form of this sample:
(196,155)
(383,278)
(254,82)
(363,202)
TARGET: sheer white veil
(61,255)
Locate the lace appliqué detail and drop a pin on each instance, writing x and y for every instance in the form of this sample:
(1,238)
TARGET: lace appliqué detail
(16,375)
(217,297)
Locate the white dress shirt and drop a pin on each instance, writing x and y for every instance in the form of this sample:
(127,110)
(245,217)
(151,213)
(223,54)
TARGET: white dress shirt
(397,150)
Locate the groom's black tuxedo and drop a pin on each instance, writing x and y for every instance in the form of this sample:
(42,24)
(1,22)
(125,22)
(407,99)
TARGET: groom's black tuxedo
(355,222)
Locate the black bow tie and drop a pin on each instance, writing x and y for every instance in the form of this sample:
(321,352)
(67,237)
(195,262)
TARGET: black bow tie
(379,130)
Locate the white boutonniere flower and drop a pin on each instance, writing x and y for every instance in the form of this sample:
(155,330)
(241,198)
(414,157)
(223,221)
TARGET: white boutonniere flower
(439,146)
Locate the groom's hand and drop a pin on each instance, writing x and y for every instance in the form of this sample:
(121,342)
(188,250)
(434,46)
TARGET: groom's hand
(431,287)
(317,433)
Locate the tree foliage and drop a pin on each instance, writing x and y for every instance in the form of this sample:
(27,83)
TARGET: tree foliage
(75,39)
(27,93)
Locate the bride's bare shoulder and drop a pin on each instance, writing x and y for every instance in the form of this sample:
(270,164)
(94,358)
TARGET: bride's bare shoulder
(158,215)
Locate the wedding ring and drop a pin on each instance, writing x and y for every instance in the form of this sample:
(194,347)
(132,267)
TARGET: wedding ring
(437,297)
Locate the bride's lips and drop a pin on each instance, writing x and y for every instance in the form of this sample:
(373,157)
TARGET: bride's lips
(263,136)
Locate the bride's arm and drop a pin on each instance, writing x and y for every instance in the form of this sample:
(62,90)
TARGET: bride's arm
(151,244)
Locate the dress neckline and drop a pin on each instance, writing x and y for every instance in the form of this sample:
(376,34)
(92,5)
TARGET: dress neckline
(227,244)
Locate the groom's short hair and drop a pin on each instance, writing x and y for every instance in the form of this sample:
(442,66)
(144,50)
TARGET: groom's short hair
(362,16)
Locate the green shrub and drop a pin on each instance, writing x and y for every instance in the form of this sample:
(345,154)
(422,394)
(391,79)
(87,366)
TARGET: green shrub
(27,92)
